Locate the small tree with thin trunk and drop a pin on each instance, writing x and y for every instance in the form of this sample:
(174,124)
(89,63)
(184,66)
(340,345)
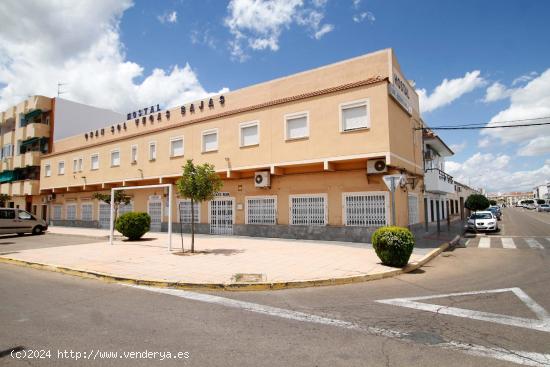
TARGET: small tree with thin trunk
(120,198)
(4,198)
(477,202)
(198,183)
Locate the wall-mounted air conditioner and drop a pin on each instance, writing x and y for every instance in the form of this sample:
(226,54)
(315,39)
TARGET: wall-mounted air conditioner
(262,179)
(377,166)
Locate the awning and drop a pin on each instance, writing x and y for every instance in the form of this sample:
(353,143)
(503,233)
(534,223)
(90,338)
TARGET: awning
(6,176)
(33,114)
(30,141)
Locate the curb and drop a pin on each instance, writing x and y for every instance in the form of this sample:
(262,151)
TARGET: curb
(229,286)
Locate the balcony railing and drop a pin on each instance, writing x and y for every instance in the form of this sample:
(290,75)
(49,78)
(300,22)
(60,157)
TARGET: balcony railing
(20,174)
(438,181)
(442,175)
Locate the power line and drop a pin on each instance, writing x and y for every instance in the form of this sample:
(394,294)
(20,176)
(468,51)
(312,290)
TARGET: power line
(483,125)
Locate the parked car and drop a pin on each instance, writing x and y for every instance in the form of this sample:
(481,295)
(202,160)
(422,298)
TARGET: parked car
(20,221)
(543,208)
(483,221)
(496,211)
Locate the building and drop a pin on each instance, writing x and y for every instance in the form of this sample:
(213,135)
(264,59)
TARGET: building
(301,157)
(27,131)
(541,192)
(510,198)
(458,199)
(438,185)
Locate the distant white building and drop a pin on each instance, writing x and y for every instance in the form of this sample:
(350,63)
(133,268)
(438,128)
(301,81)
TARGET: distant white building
(542,191)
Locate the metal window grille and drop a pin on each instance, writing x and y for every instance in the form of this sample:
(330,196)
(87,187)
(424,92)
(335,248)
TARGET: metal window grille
(71,212)
(104,214)
(184,209)
(413,210)
(87,212)
(155,211)
(310,210)
(123,208)
(365,209)
(221,216)
(261,210)
(57,212)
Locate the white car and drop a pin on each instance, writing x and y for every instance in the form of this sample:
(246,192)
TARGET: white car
(483,221)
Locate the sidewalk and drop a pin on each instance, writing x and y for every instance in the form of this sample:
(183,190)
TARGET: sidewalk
(224,262)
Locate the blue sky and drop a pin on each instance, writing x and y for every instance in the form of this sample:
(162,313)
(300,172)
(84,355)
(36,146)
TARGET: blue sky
(201,47)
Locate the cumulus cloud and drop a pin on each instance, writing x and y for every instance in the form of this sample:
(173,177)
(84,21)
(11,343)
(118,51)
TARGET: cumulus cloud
(79,44)
(493,173)
(496,92)
(457,148)
(258,25)
(449,90)
(484,143)
(169,17)
(358,18)
(525,78)
(527,102)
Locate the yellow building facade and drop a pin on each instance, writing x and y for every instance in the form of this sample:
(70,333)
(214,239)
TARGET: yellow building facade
(302,156)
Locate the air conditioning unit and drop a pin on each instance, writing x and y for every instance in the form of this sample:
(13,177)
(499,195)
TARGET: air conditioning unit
(262,179)
(377,166)
(428,155)
(50,197)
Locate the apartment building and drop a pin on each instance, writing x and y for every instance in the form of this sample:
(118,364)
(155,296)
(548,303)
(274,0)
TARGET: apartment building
(27,131)
(300,157)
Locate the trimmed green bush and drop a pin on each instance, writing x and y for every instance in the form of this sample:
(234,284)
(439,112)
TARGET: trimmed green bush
(133,225)
(393,245)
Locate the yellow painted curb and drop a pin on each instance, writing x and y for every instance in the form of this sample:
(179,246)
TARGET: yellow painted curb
(229,286)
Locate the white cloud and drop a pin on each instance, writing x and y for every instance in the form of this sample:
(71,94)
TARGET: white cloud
(449,90)
(483,143)
(258,25)
(527,102)
(525,78)
(457,148)
(493,173)
(169,17)
(79,44)
(496,92)
(356,3)
(358,18)
(537,146)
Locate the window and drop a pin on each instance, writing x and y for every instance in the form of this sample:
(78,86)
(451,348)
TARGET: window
(176,147)
(24,215)
(115,158)
(365,209)
(86,213)
(61,168)
(134,154)
(184,209)
(77,165)
(71,212)
(7,150)
(297,126)
(152,151)
(124,208)
(57,212)
(47,170)
(261,210)
(7,214)
(210,140)
(354,115)
(413,209)
(95,162)
(308,210)
(249,133)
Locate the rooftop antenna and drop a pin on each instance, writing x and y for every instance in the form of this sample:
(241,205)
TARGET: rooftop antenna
(59,90)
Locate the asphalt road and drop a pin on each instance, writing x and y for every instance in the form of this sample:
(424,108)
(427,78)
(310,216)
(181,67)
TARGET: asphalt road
(328,326)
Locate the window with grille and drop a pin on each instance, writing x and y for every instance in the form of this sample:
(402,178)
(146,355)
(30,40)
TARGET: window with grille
(413,210)
(308,210)
(365,209)
(71,212)
(261,210)
(184,208)
(87,212)
(125,208)
(57,212)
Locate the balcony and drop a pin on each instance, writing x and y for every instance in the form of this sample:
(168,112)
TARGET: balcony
(438,182)
(36,130)
(5,188)
(17,188)
(31,158)
(31,187)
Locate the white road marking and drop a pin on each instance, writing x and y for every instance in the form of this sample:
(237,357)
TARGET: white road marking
(534,243)
(514,356)
(542,324)
(508,243)
(484,242)
(548,239)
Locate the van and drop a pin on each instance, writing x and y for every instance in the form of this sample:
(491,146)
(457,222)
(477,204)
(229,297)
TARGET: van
(20,222)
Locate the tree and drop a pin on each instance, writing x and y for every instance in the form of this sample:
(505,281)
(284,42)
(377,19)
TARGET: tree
(541,201)
(198,183)
(4,198)
(493,202)
(477,202)
(120,198)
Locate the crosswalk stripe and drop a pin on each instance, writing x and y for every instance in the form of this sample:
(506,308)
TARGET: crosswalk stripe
(508,243)
(484,242)
(533,243)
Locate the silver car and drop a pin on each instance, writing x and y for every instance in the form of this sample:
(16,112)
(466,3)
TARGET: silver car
(543,208)
(20,222)
(483,221)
